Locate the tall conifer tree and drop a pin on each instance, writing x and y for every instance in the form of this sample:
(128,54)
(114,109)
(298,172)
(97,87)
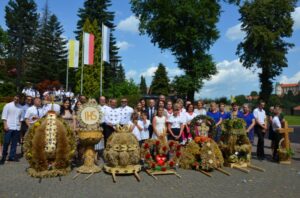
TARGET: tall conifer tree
(22,21)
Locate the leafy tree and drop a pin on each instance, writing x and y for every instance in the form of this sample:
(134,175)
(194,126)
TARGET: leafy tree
(253,93)
(3,42)
(187,28)
(50,53)
(181,85)
(127,88)
(160,82)
(91,73)
(267,24)
(143,85)
(240,99)
(22,21)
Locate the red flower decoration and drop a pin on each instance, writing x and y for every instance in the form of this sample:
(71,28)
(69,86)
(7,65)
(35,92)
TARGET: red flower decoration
(171,144)
(178,147)
(171,163)
(163,168)
(178,154)
(164,148)
(153,165)
(148,155)
(157,142)
(146,146)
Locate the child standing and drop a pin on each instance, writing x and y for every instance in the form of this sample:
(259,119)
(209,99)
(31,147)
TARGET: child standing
(175,125)
(144,123)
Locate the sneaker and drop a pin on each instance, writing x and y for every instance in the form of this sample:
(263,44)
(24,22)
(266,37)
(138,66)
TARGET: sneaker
(183,142)
(13,160)
(190,139)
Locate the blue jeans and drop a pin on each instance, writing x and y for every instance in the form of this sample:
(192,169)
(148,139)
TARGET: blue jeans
(10,136)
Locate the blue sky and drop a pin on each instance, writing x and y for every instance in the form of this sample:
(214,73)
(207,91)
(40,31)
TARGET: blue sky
(140,56)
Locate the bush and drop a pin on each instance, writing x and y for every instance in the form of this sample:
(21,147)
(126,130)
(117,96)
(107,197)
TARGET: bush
(7,89)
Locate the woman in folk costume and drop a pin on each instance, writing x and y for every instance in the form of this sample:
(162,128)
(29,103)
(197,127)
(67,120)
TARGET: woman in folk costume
(159,126)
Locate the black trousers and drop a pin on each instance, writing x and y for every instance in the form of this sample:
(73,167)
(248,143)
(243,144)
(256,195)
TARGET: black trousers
(176,131)
(277,137)
(107,131)
(260,142)
(150,128)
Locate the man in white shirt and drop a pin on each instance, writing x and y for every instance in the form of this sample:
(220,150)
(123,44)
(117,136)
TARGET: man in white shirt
(48,106)
(276,124)
(103,108)
(12,117)
(111,119)
(34,112)
(24,128)
(125,112)
(260,129)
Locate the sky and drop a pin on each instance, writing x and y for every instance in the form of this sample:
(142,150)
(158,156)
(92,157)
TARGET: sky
(141,57)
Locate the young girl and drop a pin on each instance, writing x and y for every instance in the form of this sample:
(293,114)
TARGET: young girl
(175,125)
(144,123)
(159,125)
(189,115)
(135,126)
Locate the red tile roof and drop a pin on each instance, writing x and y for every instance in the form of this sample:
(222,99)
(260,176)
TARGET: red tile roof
(297,108)
(289,85)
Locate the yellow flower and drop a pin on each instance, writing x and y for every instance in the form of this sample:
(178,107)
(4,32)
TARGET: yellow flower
(37,124)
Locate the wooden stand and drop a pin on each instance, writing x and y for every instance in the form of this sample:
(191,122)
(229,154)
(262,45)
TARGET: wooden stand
(243,167)
(128,170)
(153,173)
(286,141)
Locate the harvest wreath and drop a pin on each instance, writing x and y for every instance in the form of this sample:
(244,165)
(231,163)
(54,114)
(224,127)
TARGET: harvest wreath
(160,157)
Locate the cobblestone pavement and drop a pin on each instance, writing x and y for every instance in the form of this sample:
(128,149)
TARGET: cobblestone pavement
(278,181)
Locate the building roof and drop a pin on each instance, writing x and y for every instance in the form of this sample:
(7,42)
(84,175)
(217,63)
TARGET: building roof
(289,85)
(297,108)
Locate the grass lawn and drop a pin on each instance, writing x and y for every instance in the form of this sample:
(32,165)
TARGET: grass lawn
(292,120)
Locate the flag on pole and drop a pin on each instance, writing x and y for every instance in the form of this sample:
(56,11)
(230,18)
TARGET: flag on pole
(105,43)
(73,53)
(88,45)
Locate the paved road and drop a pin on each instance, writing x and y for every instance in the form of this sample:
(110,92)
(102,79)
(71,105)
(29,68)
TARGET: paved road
(278,181)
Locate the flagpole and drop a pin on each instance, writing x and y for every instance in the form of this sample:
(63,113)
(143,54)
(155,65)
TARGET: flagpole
(82,64)
(67,78)
(101,64)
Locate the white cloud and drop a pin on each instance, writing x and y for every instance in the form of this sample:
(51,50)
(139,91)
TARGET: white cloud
(296,17)
(232,79)
(123,45)
(129,24)
(235,32)
(294,79)
(131,74)
(149,72)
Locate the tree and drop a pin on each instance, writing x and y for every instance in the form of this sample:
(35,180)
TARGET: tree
(253,93)
(241,99)
(22,22)
(187,28)
(266,24)
(143,85)
(98,10)
(160,82)
(91,73)
(50,52)
(181,85)
(3,42)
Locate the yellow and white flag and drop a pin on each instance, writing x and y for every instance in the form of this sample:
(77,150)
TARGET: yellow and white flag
(73,58)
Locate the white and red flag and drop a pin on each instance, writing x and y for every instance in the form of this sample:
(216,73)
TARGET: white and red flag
(88,47)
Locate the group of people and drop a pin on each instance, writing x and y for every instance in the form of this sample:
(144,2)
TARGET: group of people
(159,119)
